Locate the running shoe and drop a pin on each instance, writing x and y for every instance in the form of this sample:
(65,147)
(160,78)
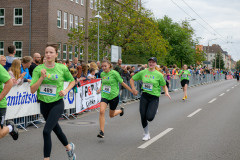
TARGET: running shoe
(146,137)
(14,132)
(183,98)
(121,114)
(101,134)
(186,96)
(71,154)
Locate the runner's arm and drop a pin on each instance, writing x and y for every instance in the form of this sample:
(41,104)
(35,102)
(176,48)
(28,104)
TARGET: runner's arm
(36,85)
(166,91)
(99,90)
(127,87)
(6,89)
(134,91)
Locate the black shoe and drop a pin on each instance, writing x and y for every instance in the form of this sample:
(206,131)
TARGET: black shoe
(101,134)
(121,114)
(14,132)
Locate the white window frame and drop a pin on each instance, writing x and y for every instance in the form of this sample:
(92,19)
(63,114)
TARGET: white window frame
(2,49)
(65,20)
(91,4)
(82,2)
(59,18)
(71,0)
(81,22)
(70,52)
(64,52)
(59,50)
(95,4)
(3,17)
(75,54)
(76,22)
(77,1)
(17,17)
(70,21)
(17,49)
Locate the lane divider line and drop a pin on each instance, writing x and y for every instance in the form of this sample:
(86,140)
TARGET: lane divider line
(146,144)
(222,94)
(213,100)
(192,114)
(235,85)
(232,87)
(228,90)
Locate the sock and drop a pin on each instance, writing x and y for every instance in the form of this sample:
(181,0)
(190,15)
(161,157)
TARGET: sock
(146,130)
(10,128)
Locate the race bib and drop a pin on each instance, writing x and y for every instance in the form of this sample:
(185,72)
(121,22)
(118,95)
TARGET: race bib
(184,75)
(107,89)
(48,90)
(148,86)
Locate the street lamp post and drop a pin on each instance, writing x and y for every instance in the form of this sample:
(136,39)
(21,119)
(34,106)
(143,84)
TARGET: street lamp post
(98,17)
(208,50)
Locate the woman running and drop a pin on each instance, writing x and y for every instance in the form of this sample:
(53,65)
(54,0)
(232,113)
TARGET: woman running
(152,82)
(48,81)
(184,74)
(110,92)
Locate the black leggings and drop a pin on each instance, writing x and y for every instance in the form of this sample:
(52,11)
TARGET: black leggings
(51,113)
(148,108)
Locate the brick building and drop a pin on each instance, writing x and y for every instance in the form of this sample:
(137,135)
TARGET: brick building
(30,24)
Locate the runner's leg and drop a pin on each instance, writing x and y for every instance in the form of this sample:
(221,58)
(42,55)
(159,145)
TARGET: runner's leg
(103,107)
(143,110)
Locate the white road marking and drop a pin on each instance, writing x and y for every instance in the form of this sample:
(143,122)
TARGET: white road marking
(228,90)
(146,144)
(222,94)
(232,87)
(213,100)
(192,114)
(235,85)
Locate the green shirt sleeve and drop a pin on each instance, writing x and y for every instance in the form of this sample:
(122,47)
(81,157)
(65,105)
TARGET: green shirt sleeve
(180,72)
(118,77)
(67,75)
(162,81)
(35,76)
(137,76)
(4,75)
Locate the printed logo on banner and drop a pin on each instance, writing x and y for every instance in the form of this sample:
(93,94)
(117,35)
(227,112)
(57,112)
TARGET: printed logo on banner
(70,96)
(21,98)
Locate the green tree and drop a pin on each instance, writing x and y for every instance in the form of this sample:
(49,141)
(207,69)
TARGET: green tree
(237,65)
(222,64)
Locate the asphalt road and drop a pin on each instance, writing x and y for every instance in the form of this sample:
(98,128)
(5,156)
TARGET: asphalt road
(204,127)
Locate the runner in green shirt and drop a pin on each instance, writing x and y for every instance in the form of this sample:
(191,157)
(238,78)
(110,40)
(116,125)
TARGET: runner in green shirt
(110,92)
(48,81)
(184,74)
(152,82)
(10,128)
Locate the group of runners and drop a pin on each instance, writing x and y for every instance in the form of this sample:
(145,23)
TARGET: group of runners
(48,79)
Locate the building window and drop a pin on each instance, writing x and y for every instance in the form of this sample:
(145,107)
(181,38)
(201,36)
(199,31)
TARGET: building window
(2,16)
(95,4)
(71,21)
(1,48)
(81,23)
(64,51)
(81,53)
(18,16)
(59,50)
(71,0)
(76,52)
(77,1)
(59,16)
(82,1)
(18,45)
(76,22)
(91,4)
(65,20)
(70,53)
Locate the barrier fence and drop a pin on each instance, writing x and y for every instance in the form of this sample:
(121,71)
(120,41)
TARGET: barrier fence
(24,110)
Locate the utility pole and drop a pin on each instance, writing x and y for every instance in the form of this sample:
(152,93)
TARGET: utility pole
(219,56)
(86,34)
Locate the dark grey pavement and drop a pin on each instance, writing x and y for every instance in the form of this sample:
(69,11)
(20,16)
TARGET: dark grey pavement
(213,133)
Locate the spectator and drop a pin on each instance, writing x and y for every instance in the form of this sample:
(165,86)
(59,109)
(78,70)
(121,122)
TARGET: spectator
(75,63)
(146,66)
(68,64)
(118,67)
(14,72)
(132,71)
(26,62)
(190,70)
(174,69)
(10,57)
(35,63)
(74,73)
(91,75)
(43,59)
(93,65)
(125,75)
(128,69)
(84,70)
(2,60)
(100,71)
(98,63)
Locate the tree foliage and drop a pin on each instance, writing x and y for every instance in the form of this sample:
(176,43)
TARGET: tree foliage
(237,65)
(222,63)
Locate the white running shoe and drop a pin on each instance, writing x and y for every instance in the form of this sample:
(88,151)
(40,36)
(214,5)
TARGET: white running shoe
(146,137)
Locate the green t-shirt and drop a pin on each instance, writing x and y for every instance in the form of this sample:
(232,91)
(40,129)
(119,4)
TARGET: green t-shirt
(48,91)
(110,86)
(4,77)
(152,81)
(185,74)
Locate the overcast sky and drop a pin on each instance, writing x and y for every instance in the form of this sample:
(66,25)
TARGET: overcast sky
(222,15)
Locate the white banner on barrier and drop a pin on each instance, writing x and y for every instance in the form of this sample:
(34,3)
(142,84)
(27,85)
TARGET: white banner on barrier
(20,102)
(69,99)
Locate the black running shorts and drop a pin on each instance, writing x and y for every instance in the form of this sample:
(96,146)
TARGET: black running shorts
(183,82)
(2,116)
(112,103)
